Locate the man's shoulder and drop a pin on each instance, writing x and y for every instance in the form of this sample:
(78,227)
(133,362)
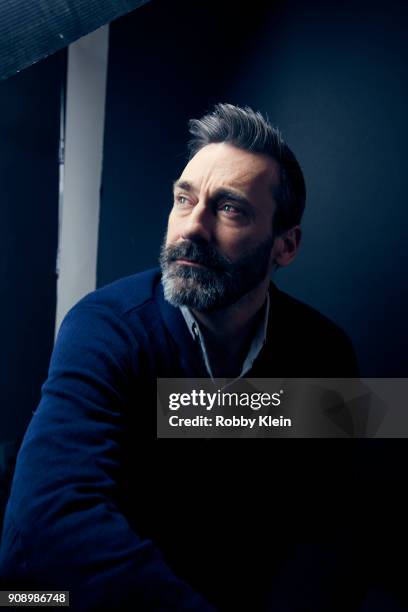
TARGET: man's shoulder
(114,315)
(310,343)
(125,294)
(301,316)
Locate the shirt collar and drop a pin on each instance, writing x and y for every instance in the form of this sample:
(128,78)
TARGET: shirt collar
(257,343)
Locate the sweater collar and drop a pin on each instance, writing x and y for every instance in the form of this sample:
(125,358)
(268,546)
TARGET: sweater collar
(176,326)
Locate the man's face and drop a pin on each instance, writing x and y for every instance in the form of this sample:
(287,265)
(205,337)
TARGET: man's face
(219,243)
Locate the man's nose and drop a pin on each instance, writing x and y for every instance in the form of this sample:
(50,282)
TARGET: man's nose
(198,224)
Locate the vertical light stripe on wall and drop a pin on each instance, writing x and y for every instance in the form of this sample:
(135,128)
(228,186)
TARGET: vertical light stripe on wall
(82,169)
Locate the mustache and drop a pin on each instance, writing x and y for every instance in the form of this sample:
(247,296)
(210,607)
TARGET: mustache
(204,254)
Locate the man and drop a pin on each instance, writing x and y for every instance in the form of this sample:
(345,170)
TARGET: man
(95,497)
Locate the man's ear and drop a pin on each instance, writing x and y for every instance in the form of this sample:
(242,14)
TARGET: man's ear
(286,246)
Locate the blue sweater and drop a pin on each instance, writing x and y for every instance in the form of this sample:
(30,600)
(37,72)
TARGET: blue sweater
(97,501)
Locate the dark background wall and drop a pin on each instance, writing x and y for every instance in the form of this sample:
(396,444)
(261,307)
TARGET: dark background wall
(29,141)
(333,77)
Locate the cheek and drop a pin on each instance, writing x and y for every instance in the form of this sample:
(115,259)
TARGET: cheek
(244,244)
(236,239)
(234,247)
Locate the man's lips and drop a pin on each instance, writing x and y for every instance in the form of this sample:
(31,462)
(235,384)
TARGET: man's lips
(190,263)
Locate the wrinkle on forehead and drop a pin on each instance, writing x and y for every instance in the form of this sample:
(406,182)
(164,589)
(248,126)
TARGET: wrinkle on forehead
(223,165)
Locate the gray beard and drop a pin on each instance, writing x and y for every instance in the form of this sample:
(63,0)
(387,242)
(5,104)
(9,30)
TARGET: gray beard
(211,288)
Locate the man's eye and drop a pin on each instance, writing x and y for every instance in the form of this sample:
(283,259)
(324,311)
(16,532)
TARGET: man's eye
(231,210)
(180,199)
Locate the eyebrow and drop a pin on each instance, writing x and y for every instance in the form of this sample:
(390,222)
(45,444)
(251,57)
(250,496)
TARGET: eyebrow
(227,194)
(220,194)
(185,185)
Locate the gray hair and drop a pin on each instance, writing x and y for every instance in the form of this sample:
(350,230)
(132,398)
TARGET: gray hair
(249,130)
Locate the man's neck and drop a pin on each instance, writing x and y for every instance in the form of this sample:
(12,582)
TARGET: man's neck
(229,331)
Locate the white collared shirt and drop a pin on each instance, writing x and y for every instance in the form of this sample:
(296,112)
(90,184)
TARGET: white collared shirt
(257,343)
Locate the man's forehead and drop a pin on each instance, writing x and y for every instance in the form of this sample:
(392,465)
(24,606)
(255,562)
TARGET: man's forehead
(222,163)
